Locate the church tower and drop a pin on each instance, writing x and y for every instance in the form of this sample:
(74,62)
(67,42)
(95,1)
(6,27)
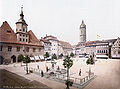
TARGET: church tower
(21,29)
(82,32)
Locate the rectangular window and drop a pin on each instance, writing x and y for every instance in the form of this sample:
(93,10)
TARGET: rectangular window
(26,40)
(18,49)
(20,39)
(39,49)
(23,40)
(27,49)
(1,48)
(34,49)
(118,52)
(9,48)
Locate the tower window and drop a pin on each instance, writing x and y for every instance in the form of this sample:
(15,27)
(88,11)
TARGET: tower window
(26,35)
(23,30)
(20,30)
(26,40)
(23,35)
(23,40)
(20,34)
(20,39)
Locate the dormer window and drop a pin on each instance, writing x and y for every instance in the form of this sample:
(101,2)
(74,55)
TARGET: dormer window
(8,31)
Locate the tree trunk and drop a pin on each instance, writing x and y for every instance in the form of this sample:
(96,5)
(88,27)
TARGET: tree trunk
(21,63)
(67,79)
(89,70)
(27,68)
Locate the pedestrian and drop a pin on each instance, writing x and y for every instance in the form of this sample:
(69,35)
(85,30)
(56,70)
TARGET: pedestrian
(42,74)
(47,69)
(38,66)
(80,72)
(58,68)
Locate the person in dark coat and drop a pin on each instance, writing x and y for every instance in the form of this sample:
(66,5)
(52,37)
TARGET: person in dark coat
(80,72)
(42,74)
(38,66)
(47,69)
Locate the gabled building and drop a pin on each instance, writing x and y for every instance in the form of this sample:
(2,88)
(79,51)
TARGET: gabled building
(65,48)
(115,50)
(50,44)
(54,46)
(22,42)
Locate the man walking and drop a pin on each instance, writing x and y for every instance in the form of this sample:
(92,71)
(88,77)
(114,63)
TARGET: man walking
(80,72)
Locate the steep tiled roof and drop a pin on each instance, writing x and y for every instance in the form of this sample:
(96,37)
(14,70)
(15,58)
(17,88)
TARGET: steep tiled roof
(46,41)
(7,34)
(65,44)
(33,39)
(50,37)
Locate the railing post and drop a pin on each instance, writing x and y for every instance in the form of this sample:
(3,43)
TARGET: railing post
(84,79)
(80,81)
(87,77)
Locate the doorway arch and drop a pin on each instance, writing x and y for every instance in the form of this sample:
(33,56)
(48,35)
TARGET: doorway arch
(1,60)
(13,57)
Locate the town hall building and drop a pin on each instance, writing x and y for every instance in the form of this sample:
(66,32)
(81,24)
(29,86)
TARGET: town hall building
(22,42)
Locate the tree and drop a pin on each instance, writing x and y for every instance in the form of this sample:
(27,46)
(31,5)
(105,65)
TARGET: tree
(71,54)
(26,60)
(46,55)
(54,56)
(67,63)
(90,61)
(20,58)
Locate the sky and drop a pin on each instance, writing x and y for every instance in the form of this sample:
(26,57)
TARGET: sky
(62,18)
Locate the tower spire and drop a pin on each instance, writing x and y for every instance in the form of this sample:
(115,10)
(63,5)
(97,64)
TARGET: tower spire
(21,14)
(82,21)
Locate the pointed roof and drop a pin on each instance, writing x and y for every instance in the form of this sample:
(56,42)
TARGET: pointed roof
(7,34)
(82,25)
(21,20)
